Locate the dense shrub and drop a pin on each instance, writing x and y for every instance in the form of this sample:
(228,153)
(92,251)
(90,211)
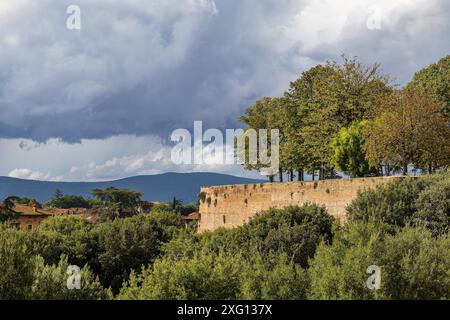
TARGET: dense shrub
(433,207)
(392,203)
(27,276)
(50,283)
(417,201)
(68,235)
(295,231)
(16,265)
(110,248)
(414,265)
(129,243)
(208,275)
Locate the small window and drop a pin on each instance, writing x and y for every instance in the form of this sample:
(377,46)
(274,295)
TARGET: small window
(224,219)
(30,226)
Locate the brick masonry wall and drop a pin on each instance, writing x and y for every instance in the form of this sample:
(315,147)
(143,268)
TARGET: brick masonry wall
(233,205)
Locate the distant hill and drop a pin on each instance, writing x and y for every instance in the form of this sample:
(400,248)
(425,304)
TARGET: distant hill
(160,187)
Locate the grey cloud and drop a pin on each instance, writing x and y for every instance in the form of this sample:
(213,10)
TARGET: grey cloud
(148,67)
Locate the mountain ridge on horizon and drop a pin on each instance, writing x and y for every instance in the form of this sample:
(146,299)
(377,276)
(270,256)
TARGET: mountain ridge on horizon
(158,187)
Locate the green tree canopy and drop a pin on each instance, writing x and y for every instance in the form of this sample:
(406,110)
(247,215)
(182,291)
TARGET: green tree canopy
(435,81)
(349,155)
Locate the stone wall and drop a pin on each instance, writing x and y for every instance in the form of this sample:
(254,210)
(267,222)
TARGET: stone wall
(233,205)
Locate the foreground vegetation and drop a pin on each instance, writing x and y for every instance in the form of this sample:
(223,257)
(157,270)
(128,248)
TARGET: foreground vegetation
(291,253)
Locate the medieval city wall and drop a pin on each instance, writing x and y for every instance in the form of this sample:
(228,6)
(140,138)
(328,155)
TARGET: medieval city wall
(233,205)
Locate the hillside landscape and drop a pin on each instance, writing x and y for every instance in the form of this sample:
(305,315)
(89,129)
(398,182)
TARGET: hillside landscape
(160,187)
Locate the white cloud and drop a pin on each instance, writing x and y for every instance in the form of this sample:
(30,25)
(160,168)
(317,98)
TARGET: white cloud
(28,174)
(98,159)
(139,69)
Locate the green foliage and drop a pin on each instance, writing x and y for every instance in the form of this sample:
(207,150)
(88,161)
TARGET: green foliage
(129,243)
(414,265)
(435,81)
(111,248)
(202,196)
(6,210)
(68,201)
(392,203)
(294,231)
(418,201)
(339,271)
(16,265)
(50,283)
(26,276)
(407,126)
(433,206)
(319,103)
(349,155)
(116,203)
(207,275)
(332,97)
(68,235)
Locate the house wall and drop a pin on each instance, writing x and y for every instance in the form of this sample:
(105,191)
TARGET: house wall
(24,221)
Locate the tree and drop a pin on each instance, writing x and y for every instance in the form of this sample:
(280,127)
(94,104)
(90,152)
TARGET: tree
(407,128)
(328,98)
(264,114)
(435,81)
(50,283)
(433,206)
(293,230)
(218,276)
(391,203)
(58,194)
(117,202)
(129,243)
(413,264)
(7,209)
(68,201)
(16,265)
(68,235)
(420,201)
(349,155)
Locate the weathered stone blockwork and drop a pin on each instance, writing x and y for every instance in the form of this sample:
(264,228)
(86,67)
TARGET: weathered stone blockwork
(233,205)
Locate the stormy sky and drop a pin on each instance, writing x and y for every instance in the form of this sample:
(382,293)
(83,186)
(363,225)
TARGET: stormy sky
(100,102)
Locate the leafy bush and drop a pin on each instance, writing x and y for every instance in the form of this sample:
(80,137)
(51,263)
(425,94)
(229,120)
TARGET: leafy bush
(392,203)
(433,207)
(417,201)
(293,230)
(414,265)
(16,265)
(50,283)
(207,275)
(129,243)
(68,235)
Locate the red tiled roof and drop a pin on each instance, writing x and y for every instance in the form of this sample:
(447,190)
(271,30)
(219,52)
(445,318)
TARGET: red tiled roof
(192,216)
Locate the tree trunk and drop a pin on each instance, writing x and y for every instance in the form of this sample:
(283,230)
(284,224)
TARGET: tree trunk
(281,175)
(291,175)
(300,175)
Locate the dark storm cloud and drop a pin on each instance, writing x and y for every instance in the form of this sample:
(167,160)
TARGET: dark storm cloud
(148,67)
